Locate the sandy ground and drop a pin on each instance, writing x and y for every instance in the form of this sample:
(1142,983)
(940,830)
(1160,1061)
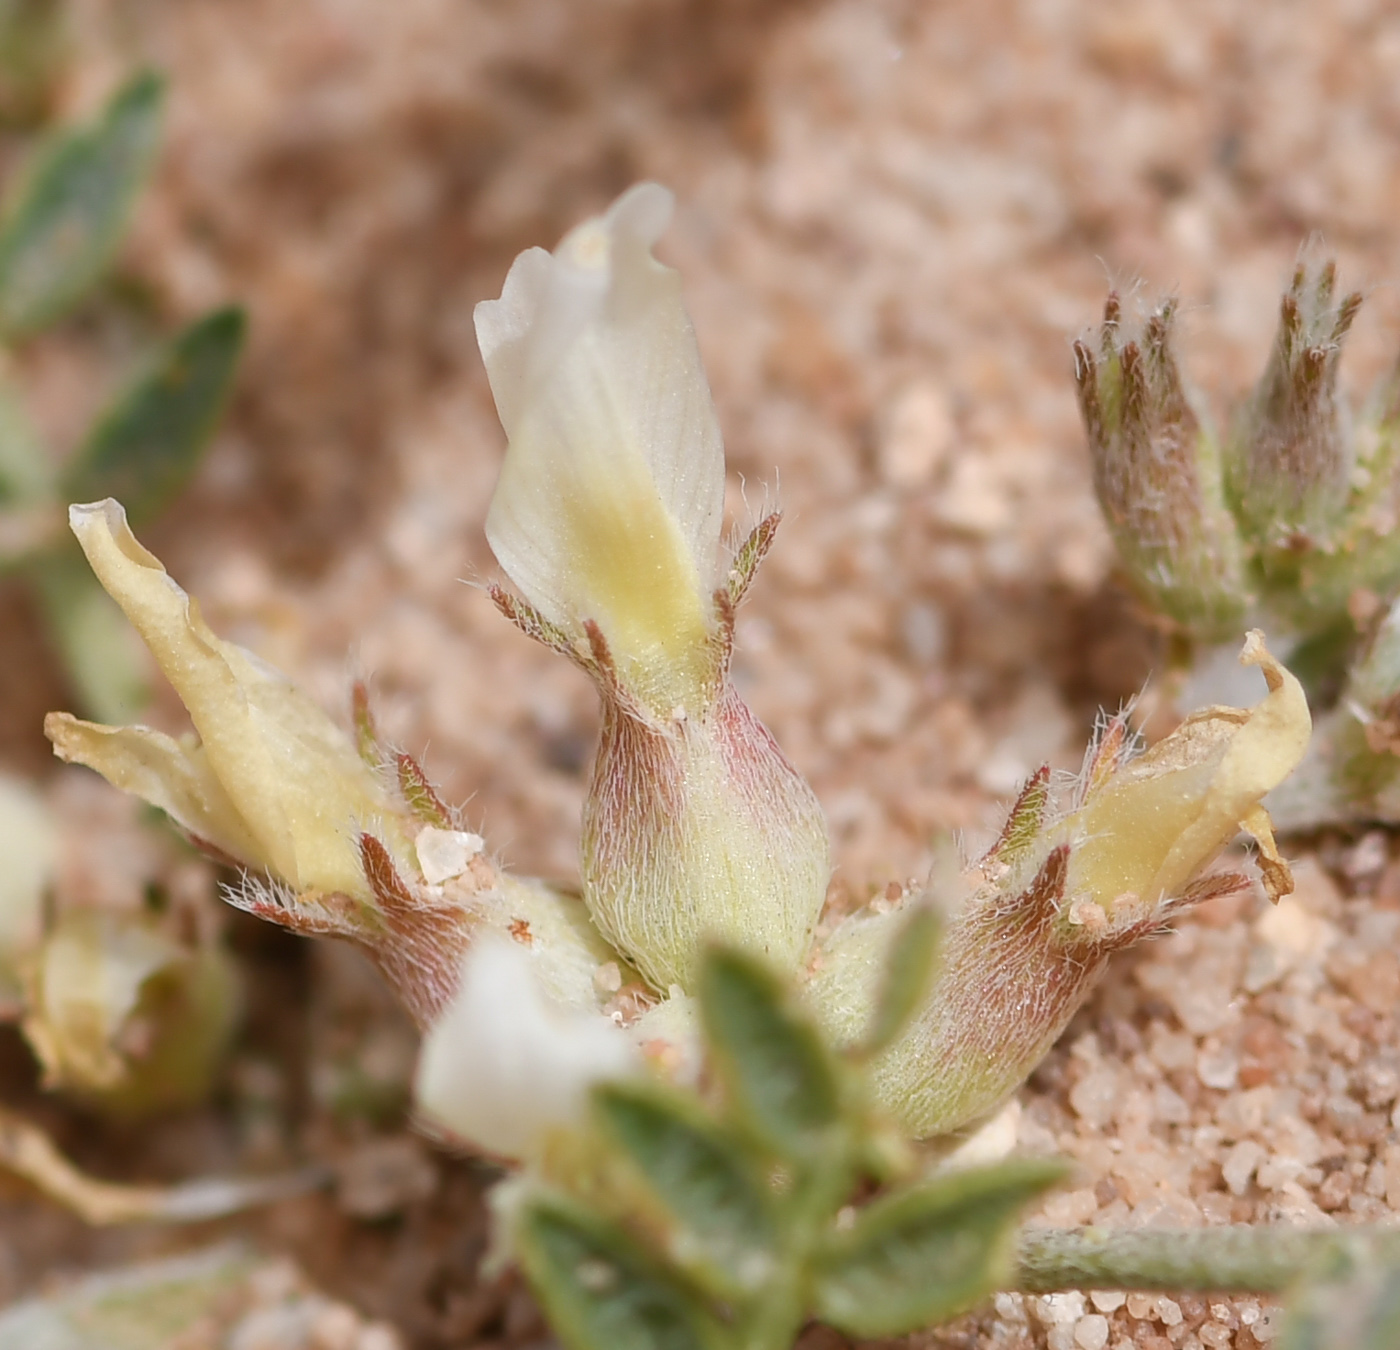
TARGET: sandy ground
(892,218)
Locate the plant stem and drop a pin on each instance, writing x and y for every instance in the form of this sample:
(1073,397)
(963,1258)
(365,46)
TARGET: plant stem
(1262,1260)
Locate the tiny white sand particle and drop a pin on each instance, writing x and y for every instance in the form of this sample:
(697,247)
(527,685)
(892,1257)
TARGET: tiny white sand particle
(1108,1300)
(1168,1312)
(444,854)
(1091,1332)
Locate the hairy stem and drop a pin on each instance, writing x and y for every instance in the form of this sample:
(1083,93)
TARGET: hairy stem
(1261,1260)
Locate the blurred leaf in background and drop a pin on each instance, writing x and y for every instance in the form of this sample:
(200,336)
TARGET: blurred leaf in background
(62,223)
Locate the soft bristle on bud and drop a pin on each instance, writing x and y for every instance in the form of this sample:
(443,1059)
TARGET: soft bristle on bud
(366,733)
(1157,473)
(1292,455)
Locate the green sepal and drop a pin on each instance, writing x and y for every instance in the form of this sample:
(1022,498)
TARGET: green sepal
(601,1290)
(25,474)
(927,1253)
(711,1191)
(65,220)
(909,971)
(783,1083)
(144,448)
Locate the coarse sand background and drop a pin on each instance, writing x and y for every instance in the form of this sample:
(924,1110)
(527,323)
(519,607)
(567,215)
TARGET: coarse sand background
(891,219)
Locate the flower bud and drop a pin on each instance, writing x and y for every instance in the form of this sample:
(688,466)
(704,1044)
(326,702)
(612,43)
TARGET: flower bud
(1059,892)
(607,517)
(1292,456)
(608,508)
(1157,474)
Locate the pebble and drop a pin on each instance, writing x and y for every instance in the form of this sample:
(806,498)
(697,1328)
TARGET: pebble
(917,436)
(1091,1332)
(1108,1300)
(1217,1066)
(444,854)
(1240,1163)
(1095,1097)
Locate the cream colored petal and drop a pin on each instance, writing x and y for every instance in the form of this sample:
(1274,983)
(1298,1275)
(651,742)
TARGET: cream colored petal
(293,776)
(1261,754)
(609,502)
(1163,816)
(162,771)
(505,1065)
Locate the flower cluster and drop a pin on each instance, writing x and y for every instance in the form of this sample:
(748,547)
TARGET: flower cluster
(697,830)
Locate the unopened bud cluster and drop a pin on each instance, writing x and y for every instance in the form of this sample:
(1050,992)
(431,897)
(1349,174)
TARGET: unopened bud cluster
(1279,519)
(1288,519)
(1158,474)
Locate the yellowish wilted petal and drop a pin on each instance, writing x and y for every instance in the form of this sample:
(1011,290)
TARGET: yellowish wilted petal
(609,502)
(290,773)
(172,775)
(1164,815)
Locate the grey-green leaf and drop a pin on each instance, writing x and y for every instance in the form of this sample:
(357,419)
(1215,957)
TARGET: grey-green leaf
(702,1177)
(908,974)
(929,1252)
(144,448)
(25,473)
(600,1290)
(783,1082)
(65,219)
(1358,1309)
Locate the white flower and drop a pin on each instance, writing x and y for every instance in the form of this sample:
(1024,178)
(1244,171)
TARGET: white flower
(610,499)
(505,1065)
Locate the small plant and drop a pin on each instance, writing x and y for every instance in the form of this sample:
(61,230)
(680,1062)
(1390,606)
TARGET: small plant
(1285,519)
(697,1088)
(727,1217)
(61,225)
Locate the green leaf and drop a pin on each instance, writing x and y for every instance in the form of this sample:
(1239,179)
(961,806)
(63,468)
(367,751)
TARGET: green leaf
(146,445)
(701,1176)
(929,1252)
(65,220)
(1355,1309)
(103,657)
(908,974)
(600,1290)
(784,1084)
(25,473)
